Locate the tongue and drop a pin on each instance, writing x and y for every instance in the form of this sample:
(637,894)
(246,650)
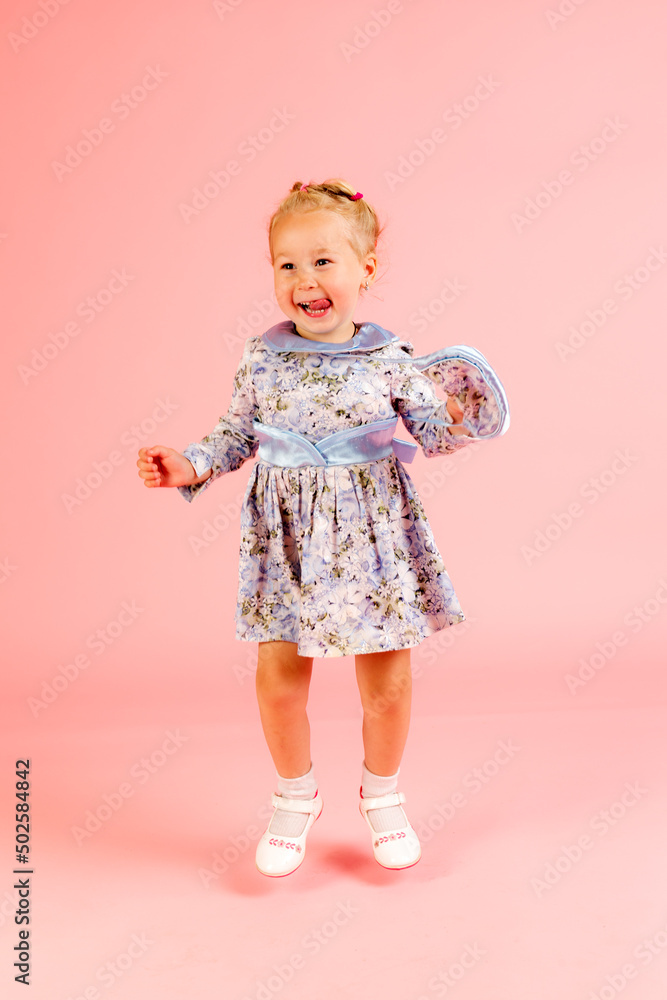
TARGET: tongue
(319,304)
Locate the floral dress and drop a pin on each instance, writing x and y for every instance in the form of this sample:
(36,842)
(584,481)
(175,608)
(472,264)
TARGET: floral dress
(337,554)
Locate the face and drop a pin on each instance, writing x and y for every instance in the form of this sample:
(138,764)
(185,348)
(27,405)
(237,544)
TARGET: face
(314,263)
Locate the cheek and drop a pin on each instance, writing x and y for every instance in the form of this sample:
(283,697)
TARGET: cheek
(283,295)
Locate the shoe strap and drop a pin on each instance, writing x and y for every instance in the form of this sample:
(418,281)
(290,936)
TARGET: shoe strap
(382,801)
(307,806)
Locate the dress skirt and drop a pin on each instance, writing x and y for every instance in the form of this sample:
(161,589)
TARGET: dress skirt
(339,559)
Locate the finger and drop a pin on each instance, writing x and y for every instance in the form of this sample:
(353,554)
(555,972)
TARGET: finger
(158,451)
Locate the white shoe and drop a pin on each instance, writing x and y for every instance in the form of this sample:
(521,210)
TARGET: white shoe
(278,855)
(398,848)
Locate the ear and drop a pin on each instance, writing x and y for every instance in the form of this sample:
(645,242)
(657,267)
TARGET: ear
(370,266)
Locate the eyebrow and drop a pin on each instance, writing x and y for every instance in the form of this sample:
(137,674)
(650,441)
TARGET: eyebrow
(319,250)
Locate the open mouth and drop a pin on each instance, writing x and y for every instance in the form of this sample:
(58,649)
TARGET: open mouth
(318,307)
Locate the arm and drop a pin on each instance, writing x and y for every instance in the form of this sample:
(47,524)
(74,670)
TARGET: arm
(476,406)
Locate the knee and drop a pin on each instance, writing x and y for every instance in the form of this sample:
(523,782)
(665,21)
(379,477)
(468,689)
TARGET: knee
(282,697)
(282,688)
(388,697)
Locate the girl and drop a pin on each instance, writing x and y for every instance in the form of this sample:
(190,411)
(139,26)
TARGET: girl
(337,556)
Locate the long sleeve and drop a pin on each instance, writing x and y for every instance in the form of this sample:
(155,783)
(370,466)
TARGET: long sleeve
(232,441)
(461,372)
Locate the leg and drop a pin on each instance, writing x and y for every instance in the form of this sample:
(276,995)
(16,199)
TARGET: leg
(385,686)
(283,683)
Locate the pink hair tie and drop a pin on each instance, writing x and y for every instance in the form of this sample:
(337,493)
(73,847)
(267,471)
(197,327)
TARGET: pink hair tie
(304,187)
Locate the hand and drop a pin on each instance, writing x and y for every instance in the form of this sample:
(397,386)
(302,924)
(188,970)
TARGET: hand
(160,466)
(456,413)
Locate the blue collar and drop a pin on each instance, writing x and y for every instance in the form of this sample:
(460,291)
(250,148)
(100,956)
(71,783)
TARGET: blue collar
(369,337)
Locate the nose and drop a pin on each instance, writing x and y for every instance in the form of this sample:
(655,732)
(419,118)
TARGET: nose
(306,278)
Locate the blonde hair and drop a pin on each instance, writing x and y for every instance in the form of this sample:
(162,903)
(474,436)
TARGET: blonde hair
(335,195)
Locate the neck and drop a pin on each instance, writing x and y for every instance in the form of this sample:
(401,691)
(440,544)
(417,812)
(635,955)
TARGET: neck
(355,328)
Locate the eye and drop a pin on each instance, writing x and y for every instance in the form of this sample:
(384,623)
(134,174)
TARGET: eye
(286,265)
(324,259)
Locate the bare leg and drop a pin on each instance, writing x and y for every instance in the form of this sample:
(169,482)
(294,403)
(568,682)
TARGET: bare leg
(283,683)
(385,686)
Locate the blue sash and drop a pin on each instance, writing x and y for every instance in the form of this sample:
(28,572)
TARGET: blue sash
(366,443)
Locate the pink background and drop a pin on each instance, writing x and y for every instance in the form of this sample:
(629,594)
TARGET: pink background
(360,90)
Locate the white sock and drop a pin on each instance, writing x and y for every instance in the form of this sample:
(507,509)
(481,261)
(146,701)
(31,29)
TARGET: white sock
(289,824)
(374,785)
